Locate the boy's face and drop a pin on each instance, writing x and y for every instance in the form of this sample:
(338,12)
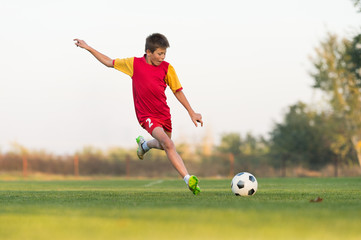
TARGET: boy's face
(157,57)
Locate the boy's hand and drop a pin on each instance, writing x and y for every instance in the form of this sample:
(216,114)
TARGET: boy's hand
(197,118)
(81,43)
(101,57)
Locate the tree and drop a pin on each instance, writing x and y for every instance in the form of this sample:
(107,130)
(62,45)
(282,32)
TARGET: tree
(353,52)
(301,139)
(254,146)
(231,144)
(336,75)
(357,4)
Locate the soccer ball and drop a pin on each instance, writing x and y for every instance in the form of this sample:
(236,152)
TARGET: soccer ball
(244,184)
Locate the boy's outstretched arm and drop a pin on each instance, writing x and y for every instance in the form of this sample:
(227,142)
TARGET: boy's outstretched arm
(101,57)
(196,117)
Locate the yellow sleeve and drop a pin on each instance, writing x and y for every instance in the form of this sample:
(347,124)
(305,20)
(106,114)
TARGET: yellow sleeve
(124,65)
(172,80)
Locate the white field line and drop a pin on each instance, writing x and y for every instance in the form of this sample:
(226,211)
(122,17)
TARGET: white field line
(153,183)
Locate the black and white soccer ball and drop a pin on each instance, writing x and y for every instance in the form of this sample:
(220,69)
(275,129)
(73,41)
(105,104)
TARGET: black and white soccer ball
(244,184)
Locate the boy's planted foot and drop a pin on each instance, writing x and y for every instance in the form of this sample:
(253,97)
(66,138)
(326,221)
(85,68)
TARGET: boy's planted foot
(193,185)
(140,152)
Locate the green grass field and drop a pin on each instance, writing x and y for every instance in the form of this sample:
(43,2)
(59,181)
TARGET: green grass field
(166,209)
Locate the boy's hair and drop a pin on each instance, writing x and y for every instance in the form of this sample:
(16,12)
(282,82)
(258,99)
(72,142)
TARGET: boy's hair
(156,40)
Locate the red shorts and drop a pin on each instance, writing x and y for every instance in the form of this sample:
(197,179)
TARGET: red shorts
(150,123)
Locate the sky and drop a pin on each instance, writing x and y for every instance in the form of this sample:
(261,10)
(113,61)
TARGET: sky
(241,64)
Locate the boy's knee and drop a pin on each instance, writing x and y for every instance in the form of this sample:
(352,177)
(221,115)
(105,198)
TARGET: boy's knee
(168,145)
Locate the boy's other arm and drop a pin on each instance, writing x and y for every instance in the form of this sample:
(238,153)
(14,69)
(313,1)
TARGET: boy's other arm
(196,117)
(101,57)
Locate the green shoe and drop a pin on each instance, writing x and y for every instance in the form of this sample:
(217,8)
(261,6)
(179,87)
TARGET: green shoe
(140,152)
(193,185)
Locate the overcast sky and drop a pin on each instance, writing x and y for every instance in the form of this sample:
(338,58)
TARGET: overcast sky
(241,64)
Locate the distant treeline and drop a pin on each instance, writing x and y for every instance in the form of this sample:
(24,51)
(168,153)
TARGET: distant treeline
(234,154)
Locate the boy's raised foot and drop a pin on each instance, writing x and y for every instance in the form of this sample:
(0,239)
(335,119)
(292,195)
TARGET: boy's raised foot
(140,152)
(193,185)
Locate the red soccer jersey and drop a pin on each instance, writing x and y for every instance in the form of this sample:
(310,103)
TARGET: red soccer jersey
(149,84)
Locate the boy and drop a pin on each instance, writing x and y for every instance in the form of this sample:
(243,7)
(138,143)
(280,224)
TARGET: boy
(150,76)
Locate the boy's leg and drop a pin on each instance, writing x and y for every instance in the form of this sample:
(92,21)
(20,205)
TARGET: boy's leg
(145,146)
(163,141)
(154,143)
(149,125)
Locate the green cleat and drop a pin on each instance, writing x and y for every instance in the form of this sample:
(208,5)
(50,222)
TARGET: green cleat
(140,152)
(193,185)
